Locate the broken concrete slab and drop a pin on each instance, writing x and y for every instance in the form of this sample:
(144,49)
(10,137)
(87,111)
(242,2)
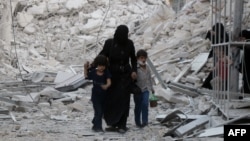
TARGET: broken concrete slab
(199,62)
(66,99)
(152,67)
(184,71)
(212,132)
(43,104)
(78,106)
(191,126)
(72,83)
(24,18)
(193,79)
(62,76)
(37,77)
(239,104)
(32,97)
(171,117)
(183,91)
(5,93)
(171,96)
(18,103)
(51,92)
(234,120)
(59,117)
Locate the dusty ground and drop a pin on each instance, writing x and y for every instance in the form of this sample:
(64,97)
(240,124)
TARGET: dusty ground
(59,122)
(36,125)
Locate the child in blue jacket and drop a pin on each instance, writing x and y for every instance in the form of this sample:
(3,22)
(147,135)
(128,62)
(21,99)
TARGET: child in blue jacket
(101,78)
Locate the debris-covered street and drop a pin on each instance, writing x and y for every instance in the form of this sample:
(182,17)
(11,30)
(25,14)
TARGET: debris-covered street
(44,44)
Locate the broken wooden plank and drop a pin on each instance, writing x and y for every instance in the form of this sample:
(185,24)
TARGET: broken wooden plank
(191,126)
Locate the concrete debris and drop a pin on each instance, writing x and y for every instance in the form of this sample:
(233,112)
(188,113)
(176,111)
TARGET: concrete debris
(51,93)
(32,98)
(242,104)
(199,62)
(62,76)
(51,35)
(191,126)
(172,96)
(78,106)
(212,132)
(180,115)
(71,83)
(59,117)
(24,18)
(173,117)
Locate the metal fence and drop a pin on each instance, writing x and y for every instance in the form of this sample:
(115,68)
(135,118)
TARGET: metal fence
(227,18)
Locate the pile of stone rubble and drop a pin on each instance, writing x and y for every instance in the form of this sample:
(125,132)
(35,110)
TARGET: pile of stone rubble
(44,95)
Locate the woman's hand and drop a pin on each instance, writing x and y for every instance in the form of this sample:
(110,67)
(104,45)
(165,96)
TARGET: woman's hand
(133,75)
(104,87)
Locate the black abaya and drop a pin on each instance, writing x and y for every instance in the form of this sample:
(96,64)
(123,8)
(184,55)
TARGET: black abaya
(118,98)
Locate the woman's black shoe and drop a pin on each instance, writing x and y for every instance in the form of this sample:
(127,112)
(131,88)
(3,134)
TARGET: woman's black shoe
(111,129)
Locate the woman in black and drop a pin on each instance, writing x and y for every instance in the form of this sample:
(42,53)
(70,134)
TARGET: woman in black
(120,52)
(245,65)
(216,35)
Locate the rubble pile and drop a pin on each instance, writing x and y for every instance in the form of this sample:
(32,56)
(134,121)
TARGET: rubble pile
(46,96)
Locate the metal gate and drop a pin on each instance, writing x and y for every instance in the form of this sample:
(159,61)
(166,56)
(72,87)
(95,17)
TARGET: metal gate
(228,18)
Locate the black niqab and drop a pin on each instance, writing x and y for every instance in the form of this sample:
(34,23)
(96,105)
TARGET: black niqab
(121,35)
